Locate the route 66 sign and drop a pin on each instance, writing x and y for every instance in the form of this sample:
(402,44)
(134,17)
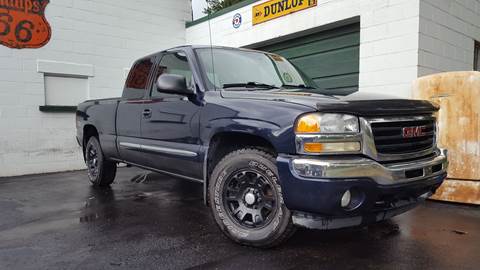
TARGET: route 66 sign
(23,23)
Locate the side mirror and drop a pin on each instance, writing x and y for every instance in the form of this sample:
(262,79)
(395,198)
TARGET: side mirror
(173,84)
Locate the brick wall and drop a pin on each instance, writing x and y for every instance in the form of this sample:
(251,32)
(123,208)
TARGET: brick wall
(448,30)
(107,35)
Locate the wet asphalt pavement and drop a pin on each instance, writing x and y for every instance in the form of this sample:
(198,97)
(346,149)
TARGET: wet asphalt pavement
(58,221)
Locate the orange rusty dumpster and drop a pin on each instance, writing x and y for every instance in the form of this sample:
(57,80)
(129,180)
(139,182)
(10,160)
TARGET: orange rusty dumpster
(458,95)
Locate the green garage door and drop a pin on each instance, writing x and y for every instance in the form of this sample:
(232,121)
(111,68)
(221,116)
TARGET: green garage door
(330,58)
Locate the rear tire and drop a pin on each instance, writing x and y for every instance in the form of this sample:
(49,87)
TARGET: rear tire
(246,199)
(101,171)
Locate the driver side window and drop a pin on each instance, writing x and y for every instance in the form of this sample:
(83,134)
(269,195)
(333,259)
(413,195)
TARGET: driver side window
(172,63)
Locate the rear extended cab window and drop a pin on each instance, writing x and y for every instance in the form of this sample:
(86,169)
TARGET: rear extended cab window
(138,78)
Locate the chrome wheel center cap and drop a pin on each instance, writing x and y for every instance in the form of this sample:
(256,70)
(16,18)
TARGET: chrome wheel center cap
(250,198)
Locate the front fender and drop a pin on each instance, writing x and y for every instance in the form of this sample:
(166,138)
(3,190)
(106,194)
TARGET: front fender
(282,138)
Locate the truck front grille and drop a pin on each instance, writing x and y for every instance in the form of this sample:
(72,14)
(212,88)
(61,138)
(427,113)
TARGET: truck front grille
(389,136)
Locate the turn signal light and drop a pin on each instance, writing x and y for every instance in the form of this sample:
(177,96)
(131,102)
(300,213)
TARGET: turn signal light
(313,147)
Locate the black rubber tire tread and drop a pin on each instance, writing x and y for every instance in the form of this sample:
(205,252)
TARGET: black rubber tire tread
(288,228)
(107,168)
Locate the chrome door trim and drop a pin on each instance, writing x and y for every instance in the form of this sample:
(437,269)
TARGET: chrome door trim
(131,145)
(159,149)
(172,151)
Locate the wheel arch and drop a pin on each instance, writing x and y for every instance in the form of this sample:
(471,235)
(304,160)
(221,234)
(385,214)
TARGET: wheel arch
(225,142)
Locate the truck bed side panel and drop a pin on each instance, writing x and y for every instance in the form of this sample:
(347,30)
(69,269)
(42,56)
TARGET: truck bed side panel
(101,114)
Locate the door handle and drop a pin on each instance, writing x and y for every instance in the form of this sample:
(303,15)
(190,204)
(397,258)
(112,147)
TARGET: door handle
(147,113)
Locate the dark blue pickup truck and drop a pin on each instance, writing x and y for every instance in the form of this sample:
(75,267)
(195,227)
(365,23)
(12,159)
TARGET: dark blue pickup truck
(271,148)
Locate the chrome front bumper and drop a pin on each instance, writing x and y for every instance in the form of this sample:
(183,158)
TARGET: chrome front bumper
(341,168)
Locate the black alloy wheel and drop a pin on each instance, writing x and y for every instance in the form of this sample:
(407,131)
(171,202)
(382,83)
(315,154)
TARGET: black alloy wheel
(246,199)
(249,199)
(101,171)
(91,154)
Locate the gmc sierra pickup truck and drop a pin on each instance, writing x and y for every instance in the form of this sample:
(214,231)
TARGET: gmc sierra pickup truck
(272,149)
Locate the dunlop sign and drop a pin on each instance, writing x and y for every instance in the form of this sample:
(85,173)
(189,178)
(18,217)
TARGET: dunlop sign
(277,8)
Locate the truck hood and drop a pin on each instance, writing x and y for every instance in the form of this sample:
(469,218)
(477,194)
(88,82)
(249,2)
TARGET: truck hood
(361,104)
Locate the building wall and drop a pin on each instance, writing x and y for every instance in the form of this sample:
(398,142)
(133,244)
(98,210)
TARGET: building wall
(448,30)
(400,39)
(102,37)
(389,36)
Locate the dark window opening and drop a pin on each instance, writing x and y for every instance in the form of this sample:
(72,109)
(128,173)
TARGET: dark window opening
(476,59)
(137,80)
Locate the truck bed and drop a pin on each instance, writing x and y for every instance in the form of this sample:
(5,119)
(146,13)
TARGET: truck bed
(102,114)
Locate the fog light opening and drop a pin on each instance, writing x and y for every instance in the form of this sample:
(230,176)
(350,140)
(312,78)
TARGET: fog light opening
(352,199)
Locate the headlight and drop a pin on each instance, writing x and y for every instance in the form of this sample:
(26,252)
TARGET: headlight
(327,133)
(327,123)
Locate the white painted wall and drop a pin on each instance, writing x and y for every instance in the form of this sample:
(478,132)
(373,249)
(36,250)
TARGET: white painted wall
(448,30)
(106,35)
(400,39)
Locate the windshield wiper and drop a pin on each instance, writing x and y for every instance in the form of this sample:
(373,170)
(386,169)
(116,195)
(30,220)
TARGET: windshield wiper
(302,86)
(250,85)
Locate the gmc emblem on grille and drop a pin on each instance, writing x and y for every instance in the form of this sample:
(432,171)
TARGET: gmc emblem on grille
(414,132)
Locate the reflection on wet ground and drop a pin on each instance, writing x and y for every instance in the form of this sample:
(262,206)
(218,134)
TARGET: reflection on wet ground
(148,220)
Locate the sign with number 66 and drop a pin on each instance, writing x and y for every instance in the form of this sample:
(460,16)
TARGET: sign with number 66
(23,24)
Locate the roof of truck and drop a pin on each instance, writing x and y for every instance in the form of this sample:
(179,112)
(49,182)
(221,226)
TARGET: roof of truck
(209,47)
(193,47)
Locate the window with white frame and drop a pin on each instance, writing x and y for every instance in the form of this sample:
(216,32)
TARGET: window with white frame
(66,84)
(64,90)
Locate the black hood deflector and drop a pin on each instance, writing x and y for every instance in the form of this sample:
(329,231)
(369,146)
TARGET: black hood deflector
(361,104)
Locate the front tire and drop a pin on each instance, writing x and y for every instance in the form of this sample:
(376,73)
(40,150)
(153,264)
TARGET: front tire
(101,171)
(246,199)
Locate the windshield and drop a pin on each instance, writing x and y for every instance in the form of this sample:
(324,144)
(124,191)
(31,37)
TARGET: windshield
(249,69)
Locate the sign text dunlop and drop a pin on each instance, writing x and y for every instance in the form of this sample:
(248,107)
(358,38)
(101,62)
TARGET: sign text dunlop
(277,8)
